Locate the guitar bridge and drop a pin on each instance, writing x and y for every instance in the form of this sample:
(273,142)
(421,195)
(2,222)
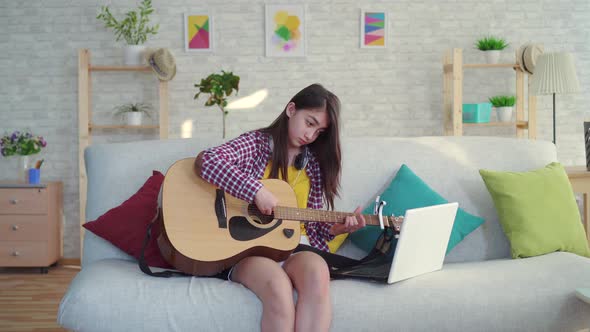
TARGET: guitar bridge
(220,209)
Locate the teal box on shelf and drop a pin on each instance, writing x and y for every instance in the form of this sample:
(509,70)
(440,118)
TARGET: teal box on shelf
(477,113)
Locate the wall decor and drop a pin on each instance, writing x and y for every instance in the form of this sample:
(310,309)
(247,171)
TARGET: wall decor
(285,30)
(198,32)
(373,29)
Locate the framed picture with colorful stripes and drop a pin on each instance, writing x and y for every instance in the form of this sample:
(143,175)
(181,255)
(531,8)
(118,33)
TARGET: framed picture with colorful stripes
(373,29)
(198,32)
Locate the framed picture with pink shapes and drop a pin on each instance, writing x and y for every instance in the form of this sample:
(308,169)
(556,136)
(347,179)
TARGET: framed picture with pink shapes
(374,29)
(198,32)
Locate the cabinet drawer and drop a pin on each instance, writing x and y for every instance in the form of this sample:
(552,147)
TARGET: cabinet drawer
(24,227)
(23,254)
(23,201)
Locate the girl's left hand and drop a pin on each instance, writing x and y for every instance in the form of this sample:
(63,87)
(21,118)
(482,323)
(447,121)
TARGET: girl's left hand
(351,223)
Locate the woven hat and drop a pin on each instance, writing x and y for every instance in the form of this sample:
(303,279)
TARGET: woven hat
(527,56)
(162,63)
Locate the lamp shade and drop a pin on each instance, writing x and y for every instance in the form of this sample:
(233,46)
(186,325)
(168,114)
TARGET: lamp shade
(555,73)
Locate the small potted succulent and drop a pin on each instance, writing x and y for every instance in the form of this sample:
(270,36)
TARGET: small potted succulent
(219,87)
(133,28)
(491,46)
(504,106)
(134,112)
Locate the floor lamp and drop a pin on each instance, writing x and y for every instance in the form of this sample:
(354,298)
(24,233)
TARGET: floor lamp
(554,73)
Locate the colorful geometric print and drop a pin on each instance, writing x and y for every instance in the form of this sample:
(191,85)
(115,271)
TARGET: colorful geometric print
(374,29)
(198,33)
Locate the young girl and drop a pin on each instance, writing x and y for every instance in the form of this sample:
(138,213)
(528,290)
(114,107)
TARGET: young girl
(303,142)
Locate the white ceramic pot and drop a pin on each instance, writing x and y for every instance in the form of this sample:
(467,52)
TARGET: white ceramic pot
(134,55)
(133,118)
(504,113)
(492,56)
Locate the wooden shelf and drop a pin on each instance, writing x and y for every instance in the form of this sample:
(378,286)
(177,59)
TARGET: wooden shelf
(491,65)
(93,126)
(448,68)
(519,124)
(120,68)
(453,72)
(86,127)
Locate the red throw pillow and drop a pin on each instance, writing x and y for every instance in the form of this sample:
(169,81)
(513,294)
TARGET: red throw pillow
(125,225)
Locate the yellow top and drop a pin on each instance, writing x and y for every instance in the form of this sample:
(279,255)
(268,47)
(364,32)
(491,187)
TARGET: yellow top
(300,183)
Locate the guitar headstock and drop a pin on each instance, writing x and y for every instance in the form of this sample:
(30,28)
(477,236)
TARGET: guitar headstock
(396,223)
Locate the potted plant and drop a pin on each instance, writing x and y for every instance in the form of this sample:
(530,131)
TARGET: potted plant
(491,46)
(503,106)
(133,112)
(24,145)
(219,87)
(133,28)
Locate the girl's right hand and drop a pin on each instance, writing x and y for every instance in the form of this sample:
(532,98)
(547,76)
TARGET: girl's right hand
(265,201)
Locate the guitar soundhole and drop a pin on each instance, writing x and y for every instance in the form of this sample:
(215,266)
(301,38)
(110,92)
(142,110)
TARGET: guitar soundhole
(258,216)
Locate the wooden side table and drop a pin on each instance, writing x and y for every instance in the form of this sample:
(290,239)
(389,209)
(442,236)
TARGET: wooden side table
(30,224)
(580,180)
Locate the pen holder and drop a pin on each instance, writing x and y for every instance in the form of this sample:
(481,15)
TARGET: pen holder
(34,175)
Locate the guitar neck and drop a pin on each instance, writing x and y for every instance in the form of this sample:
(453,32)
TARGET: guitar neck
(289,213)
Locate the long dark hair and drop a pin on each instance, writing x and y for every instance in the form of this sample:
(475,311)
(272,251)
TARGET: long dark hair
(326,147)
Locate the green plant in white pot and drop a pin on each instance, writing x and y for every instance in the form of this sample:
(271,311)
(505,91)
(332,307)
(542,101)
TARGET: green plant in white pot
(491,46)
(504,106)
(133,28)
(134,112)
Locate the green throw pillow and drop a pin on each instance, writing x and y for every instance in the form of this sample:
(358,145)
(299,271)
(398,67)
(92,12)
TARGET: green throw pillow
(537,210)
(408,191)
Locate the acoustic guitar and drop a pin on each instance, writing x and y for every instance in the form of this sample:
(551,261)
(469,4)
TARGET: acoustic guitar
(205,230)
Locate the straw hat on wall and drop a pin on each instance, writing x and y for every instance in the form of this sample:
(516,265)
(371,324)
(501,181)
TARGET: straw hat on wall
(527,56)
(162,63)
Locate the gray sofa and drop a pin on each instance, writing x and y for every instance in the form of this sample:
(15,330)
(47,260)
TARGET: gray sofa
(479,289)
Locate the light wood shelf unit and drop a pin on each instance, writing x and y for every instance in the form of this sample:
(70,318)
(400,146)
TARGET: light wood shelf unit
(453,68)
(86,127)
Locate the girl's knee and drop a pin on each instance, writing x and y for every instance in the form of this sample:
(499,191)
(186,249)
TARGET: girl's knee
(310,274)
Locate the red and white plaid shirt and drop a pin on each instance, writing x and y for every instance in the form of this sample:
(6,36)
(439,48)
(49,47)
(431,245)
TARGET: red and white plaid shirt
(237,166)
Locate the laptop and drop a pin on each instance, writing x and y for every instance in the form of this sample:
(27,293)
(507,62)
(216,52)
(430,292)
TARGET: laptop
(420,248)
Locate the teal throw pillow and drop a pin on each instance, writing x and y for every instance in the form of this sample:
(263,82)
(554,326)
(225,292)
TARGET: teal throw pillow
(408,191)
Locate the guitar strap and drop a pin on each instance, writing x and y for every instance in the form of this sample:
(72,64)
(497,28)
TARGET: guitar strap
(342,266)
(142,263)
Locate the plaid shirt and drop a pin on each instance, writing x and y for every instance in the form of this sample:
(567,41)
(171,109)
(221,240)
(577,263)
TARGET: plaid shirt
(237,166)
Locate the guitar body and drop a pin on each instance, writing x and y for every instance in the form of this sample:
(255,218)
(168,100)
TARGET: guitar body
(205,231)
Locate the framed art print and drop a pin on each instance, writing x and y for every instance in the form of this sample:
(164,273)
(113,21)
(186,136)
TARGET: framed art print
(285,30)
(373,29)
(198,32)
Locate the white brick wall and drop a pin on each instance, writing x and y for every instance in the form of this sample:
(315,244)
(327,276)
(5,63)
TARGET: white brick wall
(391,92)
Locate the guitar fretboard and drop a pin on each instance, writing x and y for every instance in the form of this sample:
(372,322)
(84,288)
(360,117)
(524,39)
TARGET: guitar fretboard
(289,213)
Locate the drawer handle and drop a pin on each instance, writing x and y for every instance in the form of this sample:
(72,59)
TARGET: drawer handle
(15,253)
(15,227)
(14,201)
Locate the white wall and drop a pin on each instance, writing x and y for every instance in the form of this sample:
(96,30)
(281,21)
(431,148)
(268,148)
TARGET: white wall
(391,92)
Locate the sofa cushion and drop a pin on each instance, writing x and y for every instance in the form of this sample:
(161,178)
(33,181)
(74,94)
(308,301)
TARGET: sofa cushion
(538,211)
(408,191)
(125,225)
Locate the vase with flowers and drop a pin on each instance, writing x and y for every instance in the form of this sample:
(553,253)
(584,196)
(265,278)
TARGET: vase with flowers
(23,145)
